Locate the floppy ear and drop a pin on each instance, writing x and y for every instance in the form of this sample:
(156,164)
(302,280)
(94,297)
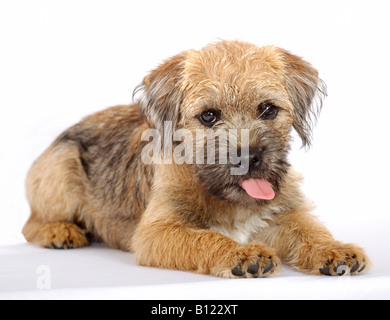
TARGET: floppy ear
(161,94)
(306,91)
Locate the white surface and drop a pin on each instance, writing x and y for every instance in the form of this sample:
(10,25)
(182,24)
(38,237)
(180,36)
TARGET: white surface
(97,272)
(61,60)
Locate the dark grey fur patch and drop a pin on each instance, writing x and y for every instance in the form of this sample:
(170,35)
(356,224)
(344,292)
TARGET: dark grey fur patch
(111,161)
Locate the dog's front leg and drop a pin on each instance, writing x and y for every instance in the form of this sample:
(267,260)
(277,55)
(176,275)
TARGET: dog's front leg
(163,239)
(301,241)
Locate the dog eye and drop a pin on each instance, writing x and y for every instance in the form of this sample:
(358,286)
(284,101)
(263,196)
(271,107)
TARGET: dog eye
(208,118)
(268,111)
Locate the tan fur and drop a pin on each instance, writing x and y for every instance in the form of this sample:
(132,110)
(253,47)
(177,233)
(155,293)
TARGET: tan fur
(92,183)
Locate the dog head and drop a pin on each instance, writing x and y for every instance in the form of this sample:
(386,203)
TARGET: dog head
(259,94)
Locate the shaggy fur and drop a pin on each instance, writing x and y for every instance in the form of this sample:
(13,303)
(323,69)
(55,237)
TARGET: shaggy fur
(91,182)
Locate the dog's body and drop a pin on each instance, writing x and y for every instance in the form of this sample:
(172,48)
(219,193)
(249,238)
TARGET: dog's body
(195,217)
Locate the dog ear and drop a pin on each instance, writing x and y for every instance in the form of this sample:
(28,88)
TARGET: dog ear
(306,91)
(161,94)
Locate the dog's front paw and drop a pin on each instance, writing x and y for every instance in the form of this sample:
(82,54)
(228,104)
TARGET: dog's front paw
(61,235)
(249,261)
(340,259)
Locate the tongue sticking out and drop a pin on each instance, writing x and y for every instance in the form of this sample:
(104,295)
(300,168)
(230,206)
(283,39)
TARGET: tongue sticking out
(258,189)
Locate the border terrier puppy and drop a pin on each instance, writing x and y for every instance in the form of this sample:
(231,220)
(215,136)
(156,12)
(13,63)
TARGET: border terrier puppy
(196,216)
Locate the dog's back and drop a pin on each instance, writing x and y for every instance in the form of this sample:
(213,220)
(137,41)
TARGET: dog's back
(90,179)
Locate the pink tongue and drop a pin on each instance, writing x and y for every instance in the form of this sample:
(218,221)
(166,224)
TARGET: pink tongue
(258,189)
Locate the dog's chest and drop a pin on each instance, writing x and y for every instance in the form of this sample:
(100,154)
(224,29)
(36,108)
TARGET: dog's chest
(245,225)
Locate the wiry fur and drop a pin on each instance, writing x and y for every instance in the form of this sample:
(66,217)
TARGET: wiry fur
(91,181)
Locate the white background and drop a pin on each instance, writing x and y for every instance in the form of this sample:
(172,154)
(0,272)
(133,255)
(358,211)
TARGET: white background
(62,60)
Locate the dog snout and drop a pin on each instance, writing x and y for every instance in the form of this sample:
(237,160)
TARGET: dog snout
(254,159)
(251,159)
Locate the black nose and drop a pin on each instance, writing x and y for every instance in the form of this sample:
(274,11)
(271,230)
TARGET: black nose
(249,160)
(254,159)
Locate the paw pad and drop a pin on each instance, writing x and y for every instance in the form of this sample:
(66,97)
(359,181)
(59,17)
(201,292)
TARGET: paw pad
(259,266)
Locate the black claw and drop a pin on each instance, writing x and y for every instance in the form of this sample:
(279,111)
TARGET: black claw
(54,246)
(362,268)
(253,268)
(325,270)
(355,267)
(237,271)
(268,267)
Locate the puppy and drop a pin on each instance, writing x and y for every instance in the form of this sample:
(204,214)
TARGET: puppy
(105,179)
